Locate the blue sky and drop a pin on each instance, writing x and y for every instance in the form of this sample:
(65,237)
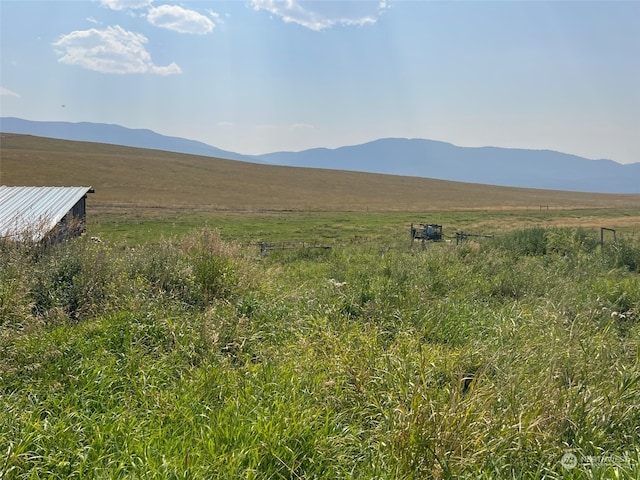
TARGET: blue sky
(256,76)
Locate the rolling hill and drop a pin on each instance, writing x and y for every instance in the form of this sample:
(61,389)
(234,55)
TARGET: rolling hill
(125,177)
(543,169)
(115,135)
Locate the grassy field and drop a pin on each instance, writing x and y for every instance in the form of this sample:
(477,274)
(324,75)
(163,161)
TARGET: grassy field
(198,358)
(173,349)
(126,178)
(137,226)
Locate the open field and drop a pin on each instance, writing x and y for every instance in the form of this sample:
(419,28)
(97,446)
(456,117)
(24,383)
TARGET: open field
(173,349)
(193,357)
(127,177)
(163,194)
(140,226)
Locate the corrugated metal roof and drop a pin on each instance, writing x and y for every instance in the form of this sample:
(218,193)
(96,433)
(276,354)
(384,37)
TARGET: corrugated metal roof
(32,212)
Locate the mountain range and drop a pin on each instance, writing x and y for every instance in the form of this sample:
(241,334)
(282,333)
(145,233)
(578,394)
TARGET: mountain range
(524,168)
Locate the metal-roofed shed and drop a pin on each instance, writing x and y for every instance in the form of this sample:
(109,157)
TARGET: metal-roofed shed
(42,213)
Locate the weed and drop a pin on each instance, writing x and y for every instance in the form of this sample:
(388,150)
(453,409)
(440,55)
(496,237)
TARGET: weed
(193,357)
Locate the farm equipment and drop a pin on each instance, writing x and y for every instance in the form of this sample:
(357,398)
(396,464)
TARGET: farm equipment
(426,232)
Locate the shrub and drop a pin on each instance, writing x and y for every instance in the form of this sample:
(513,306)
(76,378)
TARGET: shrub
(73,277)
(623,254)
(214,266)
(160,272)
(569,242)
(529,241)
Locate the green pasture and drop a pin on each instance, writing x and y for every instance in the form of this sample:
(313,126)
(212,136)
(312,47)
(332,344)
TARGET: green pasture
(173,350)
(140,226)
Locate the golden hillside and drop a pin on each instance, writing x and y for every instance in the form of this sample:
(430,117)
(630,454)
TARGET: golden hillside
(124,176)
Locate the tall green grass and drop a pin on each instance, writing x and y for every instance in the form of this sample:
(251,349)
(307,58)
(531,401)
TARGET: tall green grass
(197,358)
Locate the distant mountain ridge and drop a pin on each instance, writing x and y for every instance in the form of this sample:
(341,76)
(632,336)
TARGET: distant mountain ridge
(544,169)
(116,135)
(486,165)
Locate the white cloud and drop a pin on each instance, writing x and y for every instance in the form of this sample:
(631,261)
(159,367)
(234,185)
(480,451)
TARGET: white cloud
(216,16)
(319,15)
(178,19)
(5,92)
(225,123)
(125,4)
(112,50)
(302,126)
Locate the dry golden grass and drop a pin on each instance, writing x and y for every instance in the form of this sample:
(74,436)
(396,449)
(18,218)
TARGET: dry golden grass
(127,177)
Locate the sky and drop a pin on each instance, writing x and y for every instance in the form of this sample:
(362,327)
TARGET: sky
(258,76)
